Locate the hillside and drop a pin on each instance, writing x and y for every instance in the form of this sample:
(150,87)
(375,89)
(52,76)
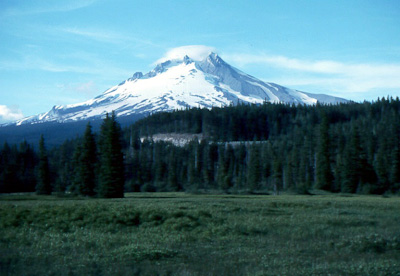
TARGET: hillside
(340,148)
(350,148)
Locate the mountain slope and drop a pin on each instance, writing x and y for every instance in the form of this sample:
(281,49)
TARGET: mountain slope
(177,84)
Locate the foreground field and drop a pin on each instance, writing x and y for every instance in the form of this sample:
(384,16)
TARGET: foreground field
(180,234)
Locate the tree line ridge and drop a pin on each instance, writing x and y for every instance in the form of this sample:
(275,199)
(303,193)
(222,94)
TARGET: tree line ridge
(350,148)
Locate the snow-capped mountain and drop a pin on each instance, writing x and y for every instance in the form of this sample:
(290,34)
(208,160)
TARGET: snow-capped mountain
(176,84)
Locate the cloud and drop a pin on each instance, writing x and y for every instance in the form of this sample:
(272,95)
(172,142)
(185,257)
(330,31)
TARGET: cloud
(86,89)
(96,35)
(9,114)
(338,76)
(107,36)
(46,7)
(89,65)
(195,52)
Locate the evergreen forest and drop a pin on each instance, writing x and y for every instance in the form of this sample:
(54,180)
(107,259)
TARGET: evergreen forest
(268,148)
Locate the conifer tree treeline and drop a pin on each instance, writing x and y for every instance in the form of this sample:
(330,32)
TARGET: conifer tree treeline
(82,166)
(339,148)
(17,168)
(112,171)
(85,160)
(43,186)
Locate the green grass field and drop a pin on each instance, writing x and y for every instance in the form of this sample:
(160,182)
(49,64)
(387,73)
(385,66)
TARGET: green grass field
(182,234)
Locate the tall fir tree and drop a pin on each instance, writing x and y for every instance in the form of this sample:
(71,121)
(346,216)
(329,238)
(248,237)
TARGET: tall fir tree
(395,172)
(222,177)
(172,180)
(241,166)
(395,166)
(112,178)
(27,163)
(254,168)
(43,186)
(352,163)
(87,162)
(8,175)
(76,170)
(64,167)
(323,171)
(277,175)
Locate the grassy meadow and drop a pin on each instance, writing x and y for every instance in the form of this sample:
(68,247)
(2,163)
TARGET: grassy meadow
(183,234)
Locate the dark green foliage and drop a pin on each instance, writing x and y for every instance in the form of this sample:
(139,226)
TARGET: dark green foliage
(43,186)
(395,170)
(17,168)
(85,160)
(26,168)
(61,160)
(351,148)
(346,147)
(8,177)
(172,169)
(277,175)
(112,178)
(254,172)
(89,159)
(395,156)
(323,170)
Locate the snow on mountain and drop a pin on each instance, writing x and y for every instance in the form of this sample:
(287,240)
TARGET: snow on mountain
(203,81)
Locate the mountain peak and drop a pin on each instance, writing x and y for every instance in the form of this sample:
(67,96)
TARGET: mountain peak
(136,76)
(194,52)
(214,59)
(187,59)
(213,56)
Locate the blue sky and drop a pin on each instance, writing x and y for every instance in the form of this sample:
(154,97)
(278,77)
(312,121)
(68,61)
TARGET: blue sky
(63,52)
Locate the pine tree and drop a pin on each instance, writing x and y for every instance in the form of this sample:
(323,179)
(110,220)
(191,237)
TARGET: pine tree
(290,170)
(395,164)
(84,163)
(112,178)
(173,183)
(26,164)
(240,156)
(76,171)
(230,165)
(159,168)
(8,179)
(64,167)
(222,177)
(254,169)
(210,158)
(43,186)
(192,163)
(352,163)
(87,162)
(395,172)
(324,177)
(277,175)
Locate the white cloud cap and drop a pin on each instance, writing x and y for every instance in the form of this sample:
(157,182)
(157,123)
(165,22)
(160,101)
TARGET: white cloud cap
(9,114)
(195,52)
